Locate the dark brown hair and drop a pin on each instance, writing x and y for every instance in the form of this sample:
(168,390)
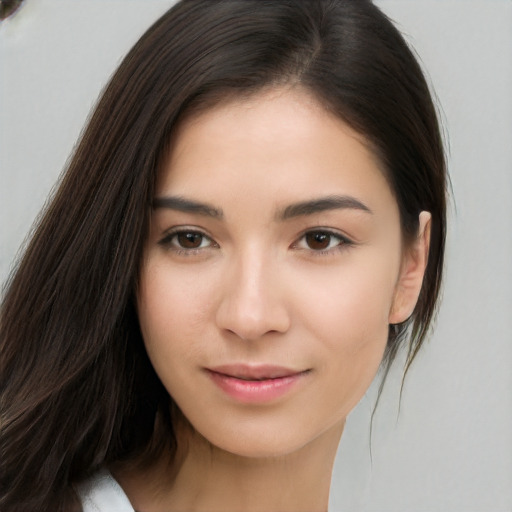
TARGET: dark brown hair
(77,388)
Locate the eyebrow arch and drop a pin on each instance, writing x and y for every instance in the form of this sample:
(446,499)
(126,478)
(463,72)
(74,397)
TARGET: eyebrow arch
(322,204)
(183,204)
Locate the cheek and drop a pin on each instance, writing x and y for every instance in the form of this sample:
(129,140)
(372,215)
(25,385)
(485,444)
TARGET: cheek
(173,309)
(351,303)
(346,312)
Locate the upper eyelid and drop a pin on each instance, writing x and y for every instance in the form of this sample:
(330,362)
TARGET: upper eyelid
(169,233)
(328,231)
(186,229)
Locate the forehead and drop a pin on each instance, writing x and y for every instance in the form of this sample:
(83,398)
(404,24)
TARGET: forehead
(279,143)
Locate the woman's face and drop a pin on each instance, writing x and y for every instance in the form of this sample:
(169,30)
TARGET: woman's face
(272,270)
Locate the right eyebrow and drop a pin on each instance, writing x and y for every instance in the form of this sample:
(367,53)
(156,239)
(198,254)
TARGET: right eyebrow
(183,204)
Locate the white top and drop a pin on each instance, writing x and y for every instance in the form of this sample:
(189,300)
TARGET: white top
(101,493)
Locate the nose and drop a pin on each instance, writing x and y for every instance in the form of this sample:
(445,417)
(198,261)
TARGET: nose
(253,302)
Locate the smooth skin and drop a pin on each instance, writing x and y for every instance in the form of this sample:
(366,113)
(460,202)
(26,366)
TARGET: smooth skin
(275,239)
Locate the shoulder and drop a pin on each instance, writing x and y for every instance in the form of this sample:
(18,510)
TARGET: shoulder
(102,493)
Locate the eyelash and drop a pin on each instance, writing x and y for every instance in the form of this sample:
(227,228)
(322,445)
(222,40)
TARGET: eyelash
(167,242)
(343,242)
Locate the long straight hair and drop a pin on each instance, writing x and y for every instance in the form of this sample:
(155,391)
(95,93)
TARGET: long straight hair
(77,388)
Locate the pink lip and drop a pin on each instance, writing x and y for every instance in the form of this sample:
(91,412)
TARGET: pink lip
(253,384)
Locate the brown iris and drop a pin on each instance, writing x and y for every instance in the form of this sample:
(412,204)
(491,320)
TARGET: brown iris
(189,240)
(318,240)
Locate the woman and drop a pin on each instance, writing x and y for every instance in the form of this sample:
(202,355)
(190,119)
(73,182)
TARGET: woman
(252,224)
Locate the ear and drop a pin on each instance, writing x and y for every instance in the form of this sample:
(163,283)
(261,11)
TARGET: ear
(412,270)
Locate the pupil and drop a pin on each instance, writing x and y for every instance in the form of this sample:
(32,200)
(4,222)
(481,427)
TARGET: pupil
(190,240)
(318,240)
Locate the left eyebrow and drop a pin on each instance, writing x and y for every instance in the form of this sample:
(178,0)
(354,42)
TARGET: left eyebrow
(322,204)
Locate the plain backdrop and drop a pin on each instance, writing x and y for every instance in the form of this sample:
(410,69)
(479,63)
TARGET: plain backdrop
(450,448)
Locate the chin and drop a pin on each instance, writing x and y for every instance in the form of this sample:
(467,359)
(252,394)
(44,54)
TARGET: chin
(260,449)
(266,439)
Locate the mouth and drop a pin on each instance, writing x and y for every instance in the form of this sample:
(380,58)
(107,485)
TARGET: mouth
(253,384)
(255,372)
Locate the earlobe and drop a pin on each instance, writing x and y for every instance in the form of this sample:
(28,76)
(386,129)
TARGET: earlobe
(413,267)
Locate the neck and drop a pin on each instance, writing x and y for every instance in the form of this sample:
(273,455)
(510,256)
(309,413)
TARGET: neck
(209,478)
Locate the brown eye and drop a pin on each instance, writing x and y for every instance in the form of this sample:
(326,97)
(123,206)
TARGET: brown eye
(318,241)
(188,240)
(184,240)
(322,242)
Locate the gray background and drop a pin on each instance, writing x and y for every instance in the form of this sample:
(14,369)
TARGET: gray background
(450,448)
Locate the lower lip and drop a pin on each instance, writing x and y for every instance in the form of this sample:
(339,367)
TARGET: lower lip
(255,391)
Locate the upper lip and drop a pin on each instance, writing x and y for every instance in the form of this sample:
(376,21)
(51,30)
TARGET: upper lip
(254,372)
